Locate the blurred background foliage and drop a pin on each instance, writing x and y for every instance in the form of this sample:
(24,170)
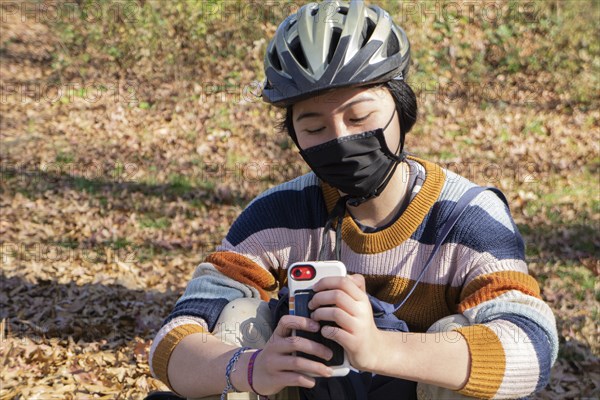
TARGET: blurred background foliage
(133,134)
(496,38)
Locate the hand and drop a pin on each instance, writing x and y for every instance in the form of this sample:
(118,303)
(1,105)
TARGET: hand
(344,301)
(276,368)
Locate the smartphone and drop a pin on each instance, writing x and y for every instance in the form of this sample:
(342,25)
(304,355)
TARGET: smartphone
(302,276)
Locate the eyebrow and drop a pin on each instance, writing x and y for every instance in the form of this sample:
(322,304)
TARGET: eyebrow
(343,108)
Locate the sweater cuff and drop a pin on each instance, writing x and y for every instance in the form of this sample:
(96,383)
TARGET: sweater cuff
(162,354)
(488,361)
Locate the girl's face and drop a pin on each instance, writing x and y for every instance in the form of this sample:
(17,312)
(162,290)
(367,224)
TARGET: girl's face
(343,112)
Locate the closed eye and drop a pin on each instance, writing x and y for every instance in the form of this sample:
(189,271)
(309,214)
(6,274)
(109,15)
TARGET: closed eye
(361,118)
(315,130)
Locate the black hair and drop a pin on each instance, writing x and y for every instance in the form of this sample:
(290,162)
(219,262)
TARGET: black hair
(406,106)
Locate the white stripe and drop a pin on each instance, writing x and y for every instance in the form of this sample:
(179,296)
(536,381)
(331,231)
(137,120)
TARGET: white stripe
(208,283)
(279,247)
(450,265)
(455,185)
(522,369)
(274,248)
(529,306)
(518,303)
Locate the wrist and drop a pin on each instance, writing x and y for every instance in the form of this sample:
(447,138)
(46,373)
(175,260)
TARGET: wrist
(381,350)
(239,376)
(250,374)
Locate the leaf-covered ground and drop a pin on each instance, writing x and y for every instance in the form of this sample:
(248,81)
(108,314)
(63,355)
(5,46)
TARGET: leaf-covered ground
(131,137)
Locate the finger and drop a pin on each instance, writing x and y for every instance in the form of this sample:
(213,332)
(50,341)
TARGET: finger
(296,343)
(336,297)
(344,283)
(334,314)
(342,337)
(296,379)
(305,366)
(360,281)
(287,323)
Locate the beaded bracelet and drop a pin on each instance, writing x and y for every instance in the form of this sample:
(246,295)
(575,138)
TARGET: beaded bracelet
(229,369)
(251,373)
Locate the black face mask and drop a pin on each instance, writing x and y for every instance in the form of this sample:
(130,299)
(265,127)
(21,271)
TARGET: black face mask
(359,165)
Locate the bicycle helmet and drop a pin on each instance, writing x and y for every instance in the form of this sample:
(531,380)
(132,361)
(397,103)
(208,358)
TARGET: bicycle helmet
(331,45)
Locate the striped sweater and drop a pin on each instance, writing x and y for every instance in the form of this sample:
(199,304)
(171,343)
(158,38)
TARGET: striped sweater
(480,272)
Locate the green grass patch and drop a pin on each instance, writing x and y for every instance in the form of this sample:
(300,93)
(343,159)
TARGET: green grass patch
(118,243)
(64,157)
(580,192)
(180,184)
(222,119)
(580,279)
(86,185)
(103,201)
(235,160)
(535,127)
(198,204)
(445,155)
(147,221)
(67,244)
(31,126)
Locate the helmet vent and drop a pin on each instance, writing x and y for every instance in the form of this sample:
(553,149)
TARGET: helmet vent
(274,58)
(298,52)
(291,25)
(335,40)
(370,28)
(333,44)
(393,46)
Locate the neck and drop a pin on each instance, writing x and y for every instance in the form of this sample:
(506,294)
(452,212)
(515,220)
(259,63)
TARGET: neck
(380,210)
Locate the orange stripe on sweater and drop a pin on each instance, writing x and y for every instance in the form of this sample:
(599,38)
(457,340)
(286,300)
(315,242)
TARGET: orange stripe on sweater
(490,286)
(162,353)
(426,305)
(244,270)
(488,362)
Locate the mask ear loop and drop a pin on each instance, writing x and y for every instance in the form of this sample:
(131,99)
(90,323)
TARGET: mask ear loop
(398,158)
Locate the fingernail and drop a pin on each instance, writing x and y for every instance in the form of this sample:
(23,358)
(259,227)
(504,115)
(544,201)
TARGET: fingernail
(314,326)
(329,371)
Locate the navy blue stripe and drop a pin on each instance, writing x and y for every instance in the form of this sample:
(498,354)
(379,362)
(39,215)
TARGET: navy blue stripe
(305,209)
(207,309)
(538,338)
(476,229)
(292,209)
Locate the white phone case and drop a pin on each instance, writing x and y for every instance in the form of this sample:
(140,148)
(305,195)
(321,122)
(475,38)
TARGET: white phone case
(323,269)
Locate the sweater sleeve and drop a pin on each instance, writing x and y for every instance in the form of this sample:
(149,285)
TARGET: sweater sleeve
(227,274)
(512,335)
(198,309)
(248,263)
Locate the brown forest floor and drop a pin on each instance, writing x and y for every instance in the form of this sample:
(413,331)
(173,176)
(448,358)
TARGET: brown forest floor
(121,173)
